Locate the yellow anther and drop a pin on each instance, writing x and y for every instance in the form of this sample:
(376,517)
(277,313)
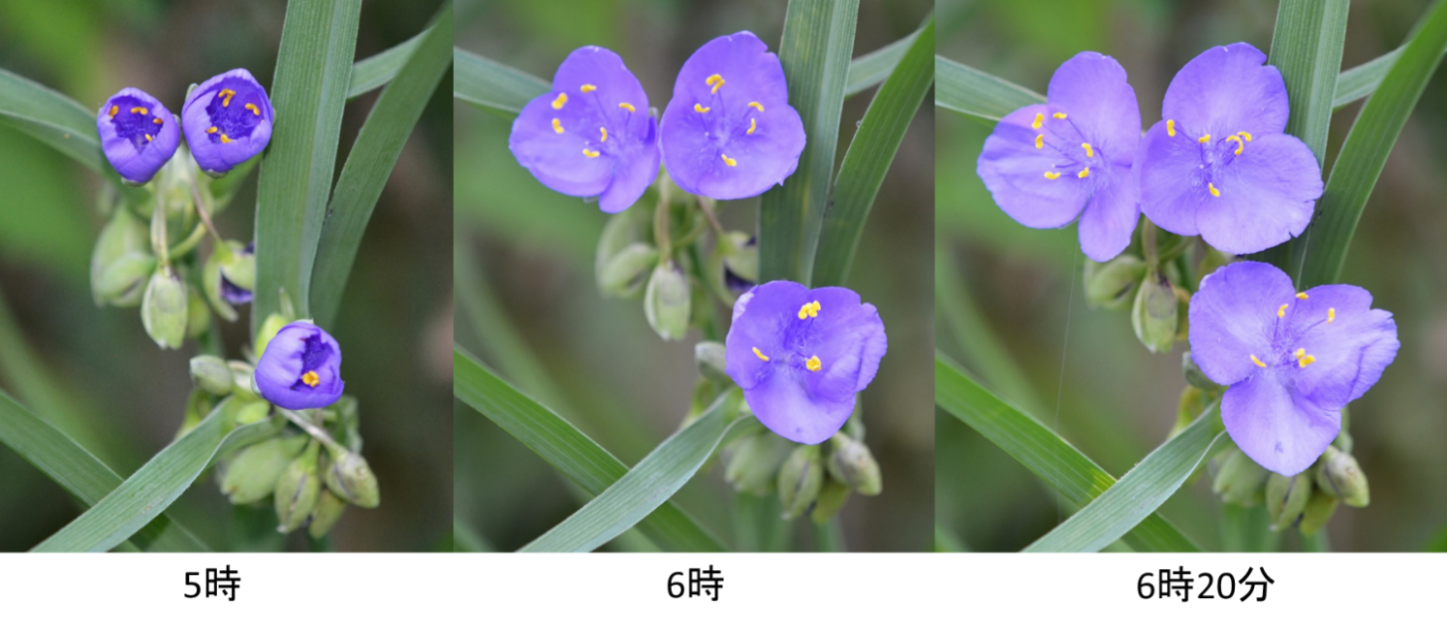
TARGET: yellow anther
(1330,315)
(148,138)
(755,104)
(604,130)
(1204,139)
(810,309)
(1039,121)
(1171,128)
(716,81)
(700,109)
(1305,360)
(1214,191)
(1089,153)
(729,161)
(557,126)
(590,153)
(1256,360)
(560,101)
(1240,144)
(114,110)
(1300,352)
(1083,173)
(311,379)
(1245,135)
(753,125)
(211,130)
(761,355)
(225,140)
(1059,115)
(627,106)
(139,110)
(1052,175)
(1039,141)
(254,110)
(1281,312)
(587,88)
(813,364)
(226,96)
(158,121)
(1301,295)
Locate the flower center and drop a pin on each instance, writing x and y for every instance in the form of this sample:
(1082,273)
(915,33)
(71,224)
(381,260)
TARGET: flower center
(596,115)
(233,114)
(1300,357)
(1076,154)
(133,120)
(1216,155)
(311,379)
(720,127)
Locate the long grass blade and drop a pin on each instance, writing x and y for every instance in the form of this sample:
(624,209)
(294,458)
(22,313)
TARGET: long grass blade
(376,71)
(493,86)
(54,118)
(981,95)
(872,68)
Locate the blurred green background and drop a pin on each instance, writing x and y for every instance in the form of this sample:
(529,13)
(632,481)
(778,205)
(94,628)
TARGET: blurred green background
(533,251)
(95,374)
(1118,401)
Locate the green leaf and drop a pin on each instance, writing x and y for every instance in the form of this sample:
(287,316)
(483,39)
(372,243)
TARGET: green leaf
(371,161)
(81,474)
(1132,499)
(156,485)
(1365,151)
(1363,80)
(982,95)
(376,71)
(647,486)
(313,69)
(815,47)
(872,68)
(496,87)
(1046,454)
(869,156)
(54,118)
(565,447)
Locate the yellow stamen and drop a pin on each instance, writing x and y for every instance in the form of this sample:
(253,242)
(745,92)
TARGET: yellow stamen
(311,379)
(1301,295)
(1059,115)
(590,153)
(1039,141)
(114,110)
(755,104)
(140,110)
(1245,135)
(158,121)
(557,126)
(700,109)
(1171,128)
(761,355)
(1089,153)
(810,309)
(753,125)
(226,96)
(1301,352)
(1240,144)
(716,81)
(560,101)
(1281,312)
(1330,315)
(1214,191)
(1039,121)
(1305,360)
(729,161)
(1204,139)
(587,88)
(148,138)
(1083,173)
(254,110)
(211,130)
(1052,175)
(1256,360)
(605,134)
(224,139)
(627,106)
(813,364)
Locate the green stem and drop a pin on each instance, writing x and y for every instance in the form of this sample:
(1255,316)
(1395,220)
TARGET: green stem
(186,245)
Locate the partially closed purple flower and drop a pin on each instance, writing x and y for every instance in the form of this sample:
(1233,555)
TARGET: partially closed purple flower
(228,120)
(137,134)
(592,134)
(1219,165)
(729,131)
(1045,164)
(1292,359)
(301,368)
(800,355)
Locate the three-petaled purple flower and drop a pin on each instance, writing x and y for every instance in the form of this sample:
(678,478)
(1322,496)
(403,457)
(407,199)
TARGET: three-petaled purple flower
(137,134)
(1291,359)
(301,368)
(729,131)
(1047,163)
(800,355)
(1219,165)
(592,134)
(227,120)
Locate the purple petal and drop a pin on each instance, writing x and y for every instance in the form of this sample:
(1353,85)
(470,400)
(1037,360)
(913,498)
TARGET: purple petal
(1225,90)
(1168,178)
(1350,353)
(234,294)
(1233,318)
(1091,89)
(301,368)
(1014,171)
(1282,431)
(1110,217)
(227,120)
(760,318)
(637,167)
(136,145)
(736,139)
(849,340)
(783,403)
(1268,195)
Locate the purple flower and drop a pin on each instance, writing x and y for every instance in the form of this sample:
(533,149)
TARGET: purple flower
(729,131)
(592,135)
(1045,164)
(234,293)
(227,120)
(800,355)
(301,368)
(1219,166)
(137,133)
(1292,359)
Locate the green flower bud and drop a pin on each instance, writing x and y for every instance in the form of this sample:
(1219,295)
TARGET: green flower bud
(241,372)
(269,328)
(711,357)
(625,274)
(297,490)
(329,509)
(733,266)
(801,478)
(230,259)
(198,316)
(831,500)
(164,309)
(350,478)
(851,462)
(754,460)
(1154,314)
(1286,498)
(1112,285)
(1338,473)
(212,374)
(121,261)
(1318,511)
(1197,378)
(253,412)
(252,475)
(350,420)
(1239,479)
(666,301)
(198,406)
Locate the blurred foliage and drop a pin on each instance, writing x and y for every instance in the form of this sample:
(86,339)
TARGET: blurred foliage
(1115,400)
(623,386)
(102,379)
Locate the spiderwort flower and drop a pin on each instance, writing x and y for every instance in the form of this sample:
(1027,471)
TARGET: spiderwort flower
(729,131)
(227,121)
(592,134)
(800,355)
(1291,359)
(301,368)
(1071,156)
(1219,165)
(137,134)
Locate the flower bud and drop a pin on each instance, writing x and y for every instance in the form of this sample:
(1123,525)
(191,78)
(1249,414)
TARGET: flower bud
(252,475)
(1154,314)
(268,330)
(198,406)
(754,460)
(1318,511)
(851,462)
(1197,378)
(1239,480)
(253,412)
(1286,498)
(625,274)
(1192,404)
(801,478)
(212,374)
(666,301)
(1112,285)
(241,372)
(227,120)
(198,316)
(350,478)
(229,276)
(297,490)
(164,309)
(733,267)
(711,359)
(121,261)
(831,500)
(1338,473)
(620,231)
(329,509)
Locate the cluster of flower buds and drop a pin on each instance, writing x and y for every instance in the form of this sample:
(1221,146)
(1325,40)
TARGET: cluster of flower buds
(1149,279)
(1306,500)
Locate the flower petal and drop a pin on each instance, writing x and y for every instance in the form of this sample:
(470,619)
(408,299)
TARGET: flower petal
(1233,317)
(1282,431)
(557,160)
(1225,90)
(782,403)
(1170,178)
(850,343)
(1091,89)
(1014,171)
(634,172)
(1350,353)
(760,318)
(1109,219)
(1267,196)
